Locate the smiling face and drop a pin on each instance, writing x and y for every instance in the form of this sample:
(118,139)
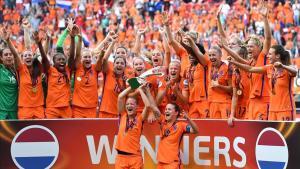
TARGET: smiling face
(214,56)
(138,66)
(170,113)
(272,56)
(121,52)
(59,61)
(156,58)
(7,57)
(130,106)
(174,70)
(119,65)
(27,58)
(86,58)
(253,49)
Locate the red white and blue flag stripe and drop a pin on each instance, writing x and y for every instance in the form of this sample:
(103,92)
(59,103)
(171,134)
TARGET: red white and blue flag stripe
(34,147)
(271,150)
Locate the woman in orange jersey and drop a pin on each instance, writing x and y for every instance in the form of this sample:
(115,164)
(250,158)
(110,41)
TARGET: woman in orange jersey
(58,79)
(281,76)
(220,89)
(196,78)
(171,133)
(170,89)
(85,98)
(115,78)
(30,83)
(257,54)
(240,87)
(240,84)
(130,129)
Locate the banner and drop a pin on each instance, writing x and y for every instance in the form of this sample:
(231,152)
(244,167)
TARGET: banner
(89,143)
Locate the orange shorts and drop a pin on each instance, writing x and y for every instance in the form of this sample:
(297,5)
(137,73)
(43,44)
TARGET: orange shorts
(241,112)
(31,112)
(107,115)
(281,115)
(199,110)
(80,112)
(258,109)
(129,162)
(174,165)
(219,110)
(58,112)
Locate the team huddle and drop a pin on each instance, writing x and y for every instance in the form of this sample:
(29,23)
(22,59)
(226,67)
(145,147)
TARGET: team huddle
(250,80)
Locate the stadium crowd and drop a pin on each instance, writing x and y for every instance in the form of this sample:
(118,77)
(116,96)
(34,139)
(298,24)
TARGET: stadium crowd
(218,60)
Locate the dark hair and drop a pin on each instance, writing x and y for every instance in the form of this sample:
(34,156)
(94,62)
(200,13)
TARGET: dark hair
(191,51)
(63,72)
(36,71)
(123,47)
(284,54)
(243,52)
(134,98)
(177,108)
(115,58)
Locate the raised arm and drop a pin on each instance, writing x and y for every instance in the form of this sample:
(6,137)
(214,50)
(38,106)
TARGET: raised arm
(166,21)
(114,39)
(27,41)
(5,34)
(121,99)
(71,60)
(137,44)
(167,56)
(63,36)
(45,61)
(219,24)
(263,9)
(247,67)
(105,40)
(162,92)
(201,58)
(155,110)
(146,102)
(232,53)
(48,41)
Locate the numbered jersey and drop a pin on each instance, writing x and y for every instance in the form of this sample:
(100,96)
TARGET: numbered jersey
(58,88)
(85,88)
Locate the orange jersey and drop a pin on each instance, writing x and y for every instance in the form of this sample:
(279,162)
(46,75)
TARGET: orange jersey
(112,87)
(85,87)
(259,82)
(170,97)
(196,82)
(28,90)
(281,84)
(221,75)
(153,83)
(58,88)
(184,57)
(129,134)
(171,136)
(240,81)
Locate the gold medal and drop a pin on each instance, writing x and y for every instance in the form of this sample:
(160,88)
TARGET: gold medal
(239,92)
(34,89)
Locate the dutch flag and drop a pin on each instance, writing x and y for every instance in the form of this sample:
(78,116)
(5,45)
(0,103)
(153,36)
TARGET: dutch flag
(271,150)
(64,4)
(85,39)
(34,147)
